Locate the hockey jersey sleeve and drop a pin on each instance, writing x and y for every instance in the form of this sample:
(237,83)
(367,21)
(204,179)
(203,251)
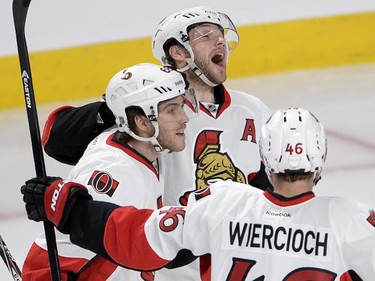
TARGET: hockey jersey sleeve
(68,130)
(139,239)
(116,233)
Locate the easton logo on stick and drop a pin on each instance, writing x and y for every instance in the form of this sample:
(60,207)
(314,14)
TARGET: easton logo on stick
(26,82)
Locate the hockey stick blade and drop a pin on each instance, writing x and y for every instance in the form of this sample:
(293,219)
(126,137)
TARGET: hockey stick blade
(20,9)
(9,261)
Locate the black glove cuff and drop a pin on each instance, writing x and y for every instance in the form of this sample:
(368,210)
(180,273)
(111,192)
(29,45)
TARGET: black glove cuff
(75,193)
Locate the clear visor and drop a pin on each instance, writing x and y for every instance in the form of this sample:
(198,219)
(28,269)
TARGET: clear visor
(191,107)
(209,31)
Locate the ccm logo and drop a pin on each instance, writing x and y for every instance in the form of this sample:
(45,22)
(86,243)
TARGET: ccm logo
(55,196)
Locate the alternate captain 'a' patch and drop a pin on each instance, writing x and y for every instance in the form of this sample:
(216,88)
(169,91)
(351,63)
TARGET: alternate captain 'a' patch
(371,218)
(103,183)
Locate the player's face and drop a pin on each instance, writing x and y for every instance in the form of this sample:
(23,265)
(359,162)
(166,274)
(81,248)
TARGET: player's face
(172,121)
(210,51)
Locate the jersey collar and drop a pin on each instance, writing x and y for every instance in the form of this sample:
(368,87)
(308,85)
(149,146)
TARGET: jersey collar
(222,99)
(282,201)
(113,141)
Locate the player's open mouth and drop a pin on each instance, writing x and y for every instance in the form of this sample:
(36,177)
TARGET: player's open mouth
(218,59)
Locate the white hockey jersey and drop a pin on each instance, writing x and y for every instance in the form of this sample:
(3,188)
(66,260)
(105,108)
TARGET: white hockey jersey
(253,235)
(221,144)
(114,173)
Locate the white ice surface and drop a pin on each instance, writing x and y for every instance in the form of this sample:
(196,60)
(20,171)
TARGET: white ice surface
(342,98)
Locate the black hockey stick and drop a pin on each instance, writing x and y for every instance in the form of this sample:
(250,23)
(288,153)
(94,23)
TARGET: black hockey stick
(20,8)
(9,261)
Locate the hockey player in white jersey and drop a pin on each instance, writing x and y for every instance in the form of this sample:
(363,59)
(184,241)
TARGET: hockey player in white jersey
(222,142)
(197,41)
(121,165)
(284,234)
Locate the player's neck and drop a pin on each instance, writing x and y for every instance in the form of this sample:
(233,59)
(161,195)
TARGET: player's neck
(291,189)
(144,148)
(204,92)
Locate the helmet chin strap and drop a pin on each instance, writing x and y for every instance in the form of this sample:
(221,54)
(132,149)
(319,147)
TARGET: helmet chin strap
(158,148)
(191,65)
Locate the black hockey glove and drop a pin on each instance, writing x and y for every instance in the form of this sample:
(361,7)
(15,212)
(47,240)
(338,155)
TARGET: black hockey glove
(33,195)
(49,198)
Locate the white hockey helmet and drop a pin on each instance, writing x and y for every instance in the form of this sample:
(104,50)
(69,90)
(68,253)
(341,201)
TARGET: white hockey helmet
(145,85)
(293,141)
(176,27)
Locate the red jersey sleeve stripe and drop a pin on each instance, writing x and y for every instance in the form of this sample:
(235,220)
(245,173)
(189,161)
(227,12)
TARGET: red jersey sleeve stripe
(125,240)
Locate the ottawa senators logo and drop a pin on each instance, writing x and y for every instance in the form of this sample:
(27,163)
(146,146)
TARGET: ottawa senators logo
(211,164)
(103,183)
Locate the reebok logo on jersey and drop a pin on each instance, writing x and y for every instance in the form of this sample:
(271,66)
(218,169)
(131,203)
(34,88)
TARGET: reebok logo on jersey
(103,183)
(273,214)
(371,218)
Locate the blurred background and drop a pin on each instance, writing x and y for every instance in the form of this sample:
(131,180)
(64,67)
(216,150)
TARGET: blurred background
(315,54)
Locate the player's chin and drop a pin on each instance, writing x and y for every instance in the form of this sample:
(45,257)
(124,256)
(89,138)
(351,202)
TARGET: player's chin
(218,79)
(218,75)
(179,146)
(179,149)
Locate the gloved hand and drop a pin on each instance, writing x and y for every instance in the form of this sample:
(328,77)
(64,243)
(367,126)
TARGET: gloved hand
(49,198)
(33,195)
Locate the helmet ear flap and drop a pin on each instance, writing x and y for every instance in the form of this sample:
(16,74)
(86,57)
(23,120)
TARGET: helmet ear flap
(122,124)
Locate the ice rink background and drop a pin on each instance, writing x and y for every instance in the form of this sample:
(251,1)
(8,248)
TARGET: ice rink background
(342,98)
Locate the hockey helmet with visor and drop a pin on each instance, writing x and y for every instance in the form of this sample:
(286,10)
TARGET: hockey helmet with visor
(201,19)
(146,85)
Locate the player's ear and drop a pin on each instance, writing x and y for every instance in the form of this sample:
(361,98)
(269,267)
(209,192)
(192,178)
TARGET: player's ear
(142,124)
(178,52)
